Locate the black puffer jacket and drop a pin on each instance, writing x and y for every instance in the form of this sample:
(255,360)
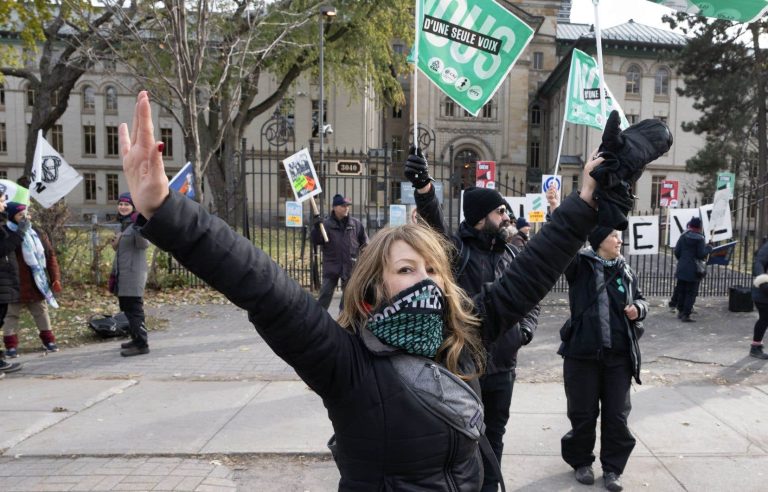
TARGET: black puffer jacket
(346,238)
(690,246)
(385,440)
(584,337)
(759,267)
(9,267)
(481,259)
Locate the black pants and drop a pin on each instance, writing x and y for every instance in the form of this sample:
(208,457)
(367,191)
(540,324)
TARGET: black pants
(497,396)
(327,289)
(594,387)
(133,307)
(687,296)
(760,325)
(3,312)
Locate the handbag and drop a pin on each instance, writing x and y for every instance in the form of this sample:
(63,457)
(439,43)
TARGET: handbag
(701,268)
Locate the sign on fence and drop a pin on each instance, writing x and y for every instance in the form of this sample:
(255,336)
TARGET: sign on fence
(726,181)
(669,191)
(644,235)
(678,218)
(485,172)
(398,215)
(293,214)
(536,204)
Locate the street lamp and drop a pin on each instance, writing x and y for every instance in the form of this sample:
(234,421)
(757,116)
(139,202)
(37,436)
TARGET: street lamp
(326,11)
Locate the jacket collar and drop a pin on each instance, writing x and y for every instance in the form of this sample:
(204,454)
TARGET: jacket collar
(480,239)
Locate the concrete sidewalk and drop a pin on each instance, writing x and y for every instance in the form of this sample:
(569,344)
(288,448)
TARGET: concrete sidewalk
(212,408)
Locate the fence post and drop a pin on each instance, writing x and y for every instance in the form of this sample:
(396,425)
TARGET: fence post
(95,256)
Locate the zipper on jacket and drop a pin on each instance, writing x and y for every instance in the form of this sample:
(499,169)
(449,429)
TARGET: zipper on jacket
(449,462)
(438,377)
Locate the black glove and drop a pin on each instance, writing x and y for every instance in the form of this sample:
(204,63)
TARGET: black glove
(416,168)
(316,221)
(526,334)
(626,154)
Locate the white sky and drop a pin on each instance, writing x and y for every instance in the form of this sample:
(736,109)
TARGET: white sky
(615,12)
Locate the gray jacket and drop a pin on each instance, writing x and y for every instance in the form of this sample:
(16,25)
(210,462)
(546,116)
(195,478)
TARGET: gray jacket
(130,263)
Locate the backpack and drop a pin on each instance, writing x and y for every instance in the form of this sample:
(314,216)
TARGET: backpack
(109,326)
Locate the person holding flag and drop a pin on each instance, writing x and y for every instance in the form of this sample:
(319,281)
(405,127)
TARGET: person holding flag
(9,280)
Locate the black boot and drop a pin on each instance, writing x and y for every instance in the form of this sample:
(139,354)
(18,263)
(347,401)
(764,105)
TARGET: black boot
(128,344)
(756,351)
(134,350)
(585,475)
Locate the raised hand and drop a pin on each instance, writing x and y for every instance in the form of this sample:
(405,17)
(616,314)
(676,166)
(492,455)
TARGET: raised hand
(416,169)
(143,160)
(588,183)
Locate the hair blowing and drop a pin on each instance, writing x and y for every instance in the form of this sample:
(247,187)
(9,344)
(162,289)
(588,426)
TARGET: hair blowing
(461,325)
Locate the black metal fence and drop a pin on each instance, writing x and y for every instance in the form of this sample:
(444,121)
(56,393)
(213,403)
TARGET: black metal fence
(380,182)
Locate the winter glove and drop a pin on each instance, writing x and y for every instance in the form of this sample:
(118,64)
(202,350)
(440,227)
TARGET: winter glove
(24,226)
(526,334)
(416,168)
(626,154)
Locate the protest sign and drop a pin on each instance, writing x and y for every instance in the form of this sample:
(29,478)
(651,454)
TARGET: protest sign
(51,178)
(644,235)
(733,10)
(302,175)
(582,102)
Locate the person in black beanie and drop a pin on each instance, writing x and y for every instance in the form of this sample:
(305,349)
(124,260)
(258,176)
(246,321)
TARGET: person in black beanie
(601,355)
(483,256)
(691,247)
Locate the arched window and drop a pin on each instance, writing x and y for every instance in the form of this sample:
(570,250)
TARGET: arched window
(661,87)
(110,98)
(89,98)
(633,79)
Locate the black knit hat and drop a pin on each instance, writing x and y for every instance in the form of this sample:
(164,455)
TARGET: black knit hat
(479,202)
(598,235)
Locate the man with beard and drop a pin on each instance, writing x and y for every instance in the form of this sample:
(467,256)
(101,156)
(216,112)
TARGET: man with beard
(482,256)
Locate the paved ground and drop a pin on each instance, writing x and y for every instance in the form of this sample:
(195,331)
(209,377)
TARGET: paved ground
(211,408)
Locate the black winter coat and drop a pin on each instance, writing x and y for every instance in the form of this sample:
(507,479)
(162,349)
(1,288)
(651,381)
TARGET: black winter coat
(760,266)
(385,440)
(345,240)
(690,246)
(481,259)
(9,267)
(582,337)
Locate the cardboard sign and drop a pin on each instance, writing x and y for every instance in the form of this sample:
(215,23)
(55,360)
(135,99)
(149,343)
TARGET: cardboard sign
(398,215)
(722,231)
(726,181)
(485,172)
(294,216)
(467,47)
(302,175)
(721,255)
(519,206)
(644,235)
(678,218)
(536,205)
(669,193)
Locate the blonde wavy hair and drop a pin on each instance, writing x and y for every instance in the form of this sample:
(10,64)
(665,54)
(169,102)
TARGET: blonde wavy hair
(368,278)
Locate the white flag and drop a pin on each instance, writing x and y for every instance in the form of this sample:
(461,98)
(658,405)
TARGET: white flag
(52,177)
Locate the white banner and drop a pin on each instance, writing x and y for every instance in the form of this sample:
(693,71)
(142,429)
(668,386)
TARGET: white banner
(644,235)
(715,232)
(52,177)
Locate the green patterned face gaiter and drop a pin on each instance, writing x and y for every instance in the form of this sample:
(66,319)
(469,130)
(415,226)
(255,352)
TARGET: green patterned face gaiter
(413,320)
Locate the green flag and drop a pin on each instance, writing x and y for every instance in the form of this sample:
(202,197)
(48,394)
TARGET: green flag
(582,101)
(467,47)
(14,192)
(732,10)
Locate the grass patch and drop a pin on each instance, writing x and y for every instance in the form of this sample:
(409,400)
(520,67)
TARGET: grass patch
(79,302)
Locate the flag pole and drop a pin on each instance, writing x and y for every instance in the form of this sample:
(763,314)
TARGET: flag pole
(560,145)
(416,27)
(599,42)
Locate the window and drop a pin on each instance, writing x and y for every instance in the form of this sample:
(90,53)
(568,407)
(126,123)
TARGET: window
(397,112)
(398,48)
(487,111)
(534,153)
(535,115)
(3,174)
(316,112)
(89,184)
(633,80)
(3,139)
(574,184)
(57,138)
(661,87)
(54,99)
(449,107)
(112,141)
(30,96)
(110,99)
(113,188)
(2,95)
(656,189)
(166,136)
(538,60)
(89,140)
(89,98)
(397,148)
(632,118)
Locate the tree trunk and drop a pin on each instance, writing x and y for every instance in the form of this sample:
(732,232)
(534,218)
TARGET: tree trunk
(760,74)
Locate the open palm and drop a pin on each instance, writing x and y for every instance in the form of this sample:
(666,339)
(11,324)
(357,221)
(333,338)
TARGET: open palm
(143,160)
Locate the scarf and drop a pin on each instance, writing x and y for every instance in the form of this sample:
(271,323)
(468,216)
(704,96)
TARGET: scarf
(413,320)
(34,256)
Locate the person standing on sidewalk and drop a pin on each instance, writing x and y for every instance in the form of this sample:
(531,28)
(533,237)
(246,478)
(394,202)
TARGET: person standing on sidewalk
(690,248)
(346,238)
(601,355)
(39,279)
(9,280)
(402,310)
(760,297)
(129,276)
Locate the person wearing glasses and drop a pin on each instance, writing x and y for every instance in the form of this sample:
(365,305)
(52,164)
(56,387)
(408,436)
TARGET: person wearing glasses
(483,255)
